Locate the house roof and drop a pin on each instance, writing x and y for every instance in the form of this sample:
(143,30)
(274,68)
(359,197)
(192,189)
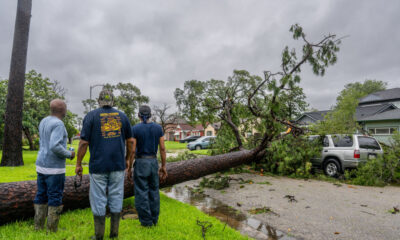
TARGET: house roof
(380,96)
(393,114)
(361,112)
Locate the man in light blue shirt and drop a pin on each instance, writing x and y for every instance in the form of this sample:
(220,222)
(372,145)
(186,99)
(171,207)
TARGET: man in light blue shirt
(50,167)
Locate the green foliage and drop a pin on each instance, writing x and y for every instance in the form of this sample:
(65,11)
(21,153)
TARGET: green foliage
(70,121)
(342,118)
(293,103)
(3,99)
(186,155)
(291,156)
(218,182)
(127,98)
(380,171)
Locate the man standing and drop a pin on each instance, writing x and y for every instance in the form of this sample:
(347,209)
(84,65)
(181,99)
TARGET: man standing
(105,130)
(50,167)
(147,137)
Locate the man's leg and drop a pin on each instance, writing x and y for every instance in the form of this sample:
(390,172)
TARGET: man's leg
(55,189)
(40,202)
(98,202)
(154,193)
(115,199)
(141,174)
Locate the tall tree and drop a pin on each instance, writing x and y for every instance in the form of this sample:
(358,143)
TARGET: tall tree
(293,102)
(342,118)
(163,117)
(12,145)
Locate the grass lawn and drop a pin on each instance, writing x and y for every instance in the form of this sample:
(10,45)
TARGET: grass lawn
(171,145)
(201,152)
(177,221)
(28,171)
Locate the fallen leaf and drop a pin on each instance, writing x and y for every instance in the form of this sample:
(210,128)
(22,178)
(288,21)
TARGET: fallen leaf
(337,233)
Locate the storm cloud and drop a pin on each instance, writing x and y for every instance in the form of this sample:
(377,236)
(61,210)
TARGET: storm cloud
(157,45)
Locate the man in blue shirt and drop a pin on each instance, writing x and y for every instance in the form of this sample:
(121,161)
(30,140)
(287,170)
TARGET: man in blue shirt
(50,167)
(148,136)
(107,132)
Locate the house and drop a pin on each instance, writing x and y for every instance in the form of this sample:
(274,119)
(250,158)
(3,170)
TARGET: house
(212,129)
(180,129)
(378,113)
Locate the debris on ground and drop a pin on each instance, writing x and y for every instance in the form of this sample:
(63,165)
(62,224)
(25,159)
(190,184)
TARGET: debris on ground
(205,225)
(395,210)
(290,198)
(262,210)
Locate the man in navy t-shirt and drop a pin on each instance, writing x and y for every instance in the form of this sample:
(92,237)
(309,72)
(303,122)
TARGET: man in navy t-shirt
(106,130)
(148,136)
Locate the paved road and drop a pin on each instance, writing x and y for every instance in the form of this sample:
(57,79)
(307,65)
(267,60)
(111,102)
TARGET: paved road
(322,211)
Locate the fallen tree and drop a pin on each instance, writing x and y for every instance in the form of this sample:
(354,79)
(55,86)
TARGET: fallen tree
(16,198)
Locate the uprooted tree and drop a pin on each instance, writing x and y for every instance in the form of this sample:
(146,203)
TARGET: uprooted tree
(257,98)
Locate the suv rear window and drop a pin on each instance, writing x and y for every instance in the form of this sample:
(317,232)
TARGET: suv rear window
(342,141)
(368,143)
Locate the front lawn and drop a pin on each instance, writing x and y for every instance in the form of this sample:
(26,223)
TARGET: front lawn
(171,145)
(177,221)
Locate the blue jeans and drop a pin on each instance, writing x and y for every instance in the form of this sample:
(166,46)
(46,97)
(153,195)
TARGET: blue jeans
(147,195)
(50,189)
(99,184)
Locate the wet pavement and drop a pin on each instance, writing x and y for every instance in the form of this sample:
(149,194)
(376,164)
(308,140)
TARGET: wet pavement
(249,226)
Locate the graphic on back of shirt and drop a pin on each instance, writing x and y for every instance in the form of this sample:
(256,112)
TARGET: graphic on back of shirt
(110,125)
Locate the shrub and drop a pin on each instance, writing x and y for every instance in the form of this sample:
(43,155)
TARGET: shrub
(382,170)
(291,156)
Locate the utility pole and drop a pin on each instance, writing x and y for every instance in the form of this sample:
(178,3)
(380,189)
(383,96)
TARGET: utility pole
(12,146)
(91,87)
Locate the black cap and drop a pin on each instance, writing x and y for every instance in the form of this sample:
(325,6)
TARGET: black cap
(144,110)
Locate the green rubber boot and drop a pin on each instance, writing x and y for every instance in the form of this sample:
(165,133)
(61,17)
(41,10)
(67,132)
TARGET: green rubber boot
(53,218)
(99,226)
(114,225)
(40,215)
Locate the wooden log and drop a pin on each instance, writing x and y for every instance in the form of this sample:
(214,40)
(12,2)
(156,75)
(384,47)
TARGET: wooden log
(16,198)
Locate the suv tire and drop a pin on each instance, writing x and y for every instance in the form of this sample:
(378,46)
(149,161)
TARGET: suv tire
(198,147)
(332,168)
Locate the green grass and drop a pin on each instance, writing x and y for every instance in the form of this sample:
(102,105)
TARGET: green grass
(171,145)
(177,221)
(28,171)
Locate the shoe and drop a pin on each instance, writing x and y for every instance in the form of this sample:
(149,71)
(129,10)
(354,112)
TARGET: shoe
(99,225)
(53,218)
(114,225)
(40,215)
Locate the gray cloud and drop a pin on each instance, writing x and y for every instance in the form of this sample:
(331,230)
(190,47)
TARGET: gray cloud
(157,45)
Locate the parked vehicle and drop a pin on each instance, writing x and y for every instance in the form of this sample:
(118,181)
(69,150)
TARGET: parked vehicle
(189,139)
(342,152)
(201,143)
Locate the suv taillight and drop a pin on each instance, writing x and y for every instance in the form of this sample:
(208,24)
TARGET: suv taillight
(356,153)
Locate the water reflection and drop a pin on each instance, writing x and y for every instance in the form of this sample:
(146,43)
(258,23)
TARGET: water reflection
(235,219)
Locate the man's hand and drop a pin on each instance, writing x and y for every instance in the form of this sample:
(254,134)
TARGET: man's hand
(78,169)
(162,172)
(128,171)
(72,155)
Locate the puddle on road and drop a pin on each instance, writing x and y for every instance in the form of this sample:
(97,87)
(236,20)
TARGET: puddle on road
(235,219)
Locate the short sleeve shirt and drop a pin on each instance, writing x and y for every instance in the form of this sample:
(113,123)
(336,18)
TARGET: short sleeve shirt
(147,137)
(106,130)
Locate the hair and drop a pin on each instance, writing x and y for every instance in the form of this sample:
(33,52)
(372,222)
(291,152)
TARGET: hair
(57,106)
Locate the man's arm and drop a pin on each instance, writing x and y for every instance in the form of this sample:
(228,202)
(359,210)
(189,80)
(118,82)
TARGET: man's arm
(56,146)
(163,153)
(81,153)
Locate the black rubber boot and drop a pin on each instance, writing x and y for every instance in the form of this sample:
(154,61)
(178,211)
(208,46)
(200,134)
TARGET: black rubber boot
(114,225)
(99,225)
(40,216)
(53,218)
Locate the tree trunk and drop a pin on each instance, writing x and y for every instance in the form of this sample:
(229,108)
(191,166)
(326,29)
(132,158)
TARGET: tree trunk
(12,148)
(16,199)
(29,137)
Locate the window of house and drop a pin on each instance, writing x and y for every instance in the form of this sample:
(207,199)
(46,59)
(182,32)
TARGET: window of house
(209,133)
(382,131)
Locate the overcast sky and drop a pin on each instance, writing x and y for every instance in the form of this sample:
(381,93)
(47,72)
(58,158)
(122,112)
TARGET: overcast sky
(157,45)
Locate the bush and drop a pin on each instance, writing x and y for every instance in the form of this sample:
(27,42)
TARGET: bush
(382,170)
(186,155)
(291,156)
